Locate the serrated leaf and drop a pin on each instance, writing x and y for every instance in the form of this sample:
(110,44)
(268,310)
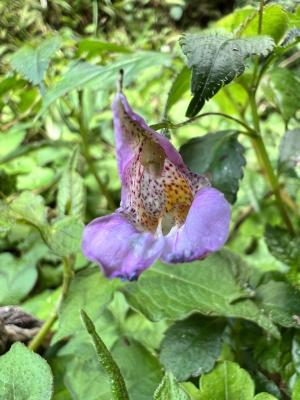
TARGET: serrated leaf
(216,60)
(88,290)
(24,375)
(179,86)
(289,151)
(32,62)
(283,245)
(216,286)
(71,191)
(219,154)
(192,346)
(284,91)
(281,301)
(227,381)
(170,389)
(102,78)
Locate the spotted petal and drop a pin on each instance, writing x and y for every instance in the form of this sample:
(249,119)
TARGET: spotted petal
(205,230)
(118,247)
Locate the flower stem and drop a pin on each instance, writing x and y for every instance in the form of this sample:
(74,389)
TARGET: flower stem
(39,338)
(266,165)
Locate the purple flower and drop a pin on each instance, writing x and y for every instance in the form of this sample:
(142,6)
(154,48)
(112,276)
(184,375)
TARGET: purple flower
(166,211)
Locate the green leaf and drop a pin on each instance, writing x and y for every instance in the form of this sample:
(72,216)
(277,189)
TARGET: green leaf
(83,74)
(11,140)
(71,191)
(274,23)
(296,390)
(93,47)
(219,154)
(30,208)
(192,346)
(38,178)
(216,60)
(88,290)
(64,236)
(264,396)
(292,37)
(170,389)
(32,62)
(281,302)
(227,381)
(216,286)
(179,86)
(289,151)
(118,387)
(283,91)
(283,245)
(7,219)
(24,375)
(18,277)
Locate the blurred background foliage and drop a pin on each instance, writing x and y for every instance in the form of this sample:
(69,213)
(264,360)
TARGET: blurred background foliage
(58,66)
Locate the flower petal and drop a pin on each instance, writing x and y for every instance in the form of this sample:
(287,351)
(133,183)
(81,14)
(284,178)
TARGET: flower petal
(129,127)
(118,247)
(205,230)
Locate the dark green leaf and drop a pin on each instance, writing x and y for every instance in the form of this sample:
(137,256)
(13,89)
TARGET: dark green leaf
(32,62)
(219,154)
(216,60)
(227,381)
(216,286)
(24,375)
(283,245)
(169,389)
(289,151)
(191,347)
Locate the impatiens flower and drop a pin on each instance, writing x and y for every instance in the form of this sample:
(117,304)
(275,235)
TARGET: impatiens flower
(166,211)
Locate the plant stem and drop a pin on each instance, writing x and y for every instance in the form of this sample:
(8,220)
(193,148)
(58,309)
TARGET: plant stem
(264,160)
(38,340)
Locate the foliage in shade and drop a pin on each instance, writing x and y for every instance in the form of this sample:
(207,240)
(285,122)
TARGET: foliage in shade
(219,155)
(170,389)
(216,60)
(24,375)
(289,152)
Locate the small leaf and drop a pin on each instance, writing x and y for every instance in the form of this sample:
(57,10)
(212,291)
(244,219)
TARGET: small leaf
(283,245)
(118,387)
(24,375)
(170,389)
(32,62)
(179,86)
(289,151)
(216,286)
(11,140)
(71,191)
(264,396)
(227,381)
(292,37)
(192,346)
(216,60)
(220,155)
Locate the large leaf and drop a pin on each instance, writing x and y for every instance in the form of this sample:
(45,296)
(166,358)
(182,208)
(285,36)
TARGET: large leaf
(32,62)
(283,91)
(227,381)
(89,290)
(92,47)
(215,286)
(283,245)
(289,151)
(192,346)
(170,389)
(216,60)
(83,74)
(219,154)
(24,375)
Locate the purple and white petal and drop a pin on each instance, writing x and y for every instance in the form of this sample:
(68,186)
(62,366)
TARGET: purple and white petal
(118,247)
(205,230)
